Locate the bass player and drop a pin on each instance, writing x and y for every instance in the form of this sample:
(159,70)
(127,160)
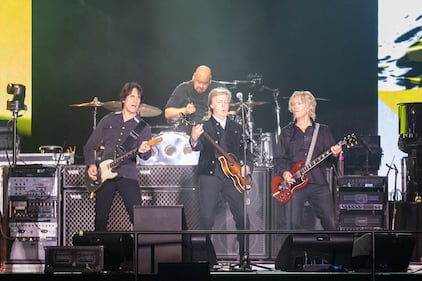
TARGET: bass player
(293,146)
(220,142)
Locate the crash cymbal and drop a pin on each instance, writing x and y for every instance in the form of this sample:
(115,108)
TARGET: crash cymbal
(94,103)
(249,103)
(144,109)
(320,99)
(149,111)
(113,105)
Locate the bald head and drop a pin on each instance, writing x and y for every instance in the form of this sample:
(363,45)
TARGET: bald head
(201,78)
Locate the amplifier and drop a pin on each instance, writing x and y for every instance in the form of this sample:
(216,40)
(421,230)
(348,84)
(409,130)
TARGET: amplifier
(33,230)
(149,176)
(361,199)
(362,220)
(362,181)
(87,259)
(33,181)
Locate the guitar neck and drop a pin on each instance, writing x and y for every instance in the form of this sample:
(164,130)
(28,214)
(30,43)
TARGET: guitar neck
(317,160)
(216,146)
(122,158)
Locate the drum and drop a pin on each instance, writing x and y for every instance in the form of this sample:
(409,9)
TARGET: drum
(410,126)
(266,141)
(175,149)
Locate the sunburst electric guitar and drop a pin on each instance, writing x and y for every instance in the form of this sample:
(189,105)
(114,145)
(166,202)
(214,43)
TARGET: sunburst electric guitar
(283,191)
(229,163)
(106,167)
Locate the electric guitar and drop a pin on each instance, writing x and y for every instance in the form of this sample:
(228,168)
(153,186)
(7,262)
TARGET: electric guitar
(283,191)
(106,167)
(229,163)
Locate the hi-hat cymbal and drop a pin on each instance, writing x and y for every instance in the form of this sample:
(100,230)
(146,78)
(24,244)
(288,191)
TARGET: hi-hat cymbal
(94,103)
(144,109)
(249,103)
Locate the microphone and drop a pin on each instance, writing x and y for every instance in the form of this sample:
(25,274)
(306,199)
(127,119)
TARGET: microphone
(239,96)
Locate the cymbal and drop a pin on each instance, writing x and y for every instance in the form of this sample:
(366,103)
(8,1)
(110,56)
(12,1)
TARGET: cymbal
(94,103)
(249,103)
(144,109)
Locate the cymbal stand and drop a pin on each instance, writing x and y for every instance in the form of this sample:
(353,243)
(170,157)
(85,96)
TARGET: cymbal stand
(95,100)
(249,120)
(276,92)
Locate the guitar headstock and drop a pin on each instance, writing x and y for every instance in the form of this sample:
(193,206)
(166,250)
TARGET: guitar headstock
(350,140)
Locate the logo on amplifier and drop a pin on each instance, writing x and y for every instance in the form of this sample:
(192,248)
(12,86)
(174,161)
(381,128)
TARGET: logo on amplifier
(75,196)
(145,172)
(74,172)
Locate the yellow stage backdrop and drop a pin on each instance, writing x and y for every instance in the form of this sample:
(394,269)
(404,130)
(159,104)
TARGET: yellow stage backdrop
(16,57)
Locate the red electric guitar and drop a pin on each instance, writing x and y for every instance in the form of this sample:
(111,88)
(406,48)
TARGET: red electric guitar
(283,192)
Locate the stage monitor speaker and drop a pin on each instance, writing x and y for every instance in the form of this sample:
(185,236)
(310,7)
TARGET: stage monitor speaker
(226,245)
(87,259)
(315,252)
(157,248)
(393,252)
(118,248)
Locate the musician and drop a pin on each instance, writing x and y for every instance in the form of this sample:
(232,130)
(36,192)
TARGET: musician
(116,134)
(190,98)
(293,146)
(213,183)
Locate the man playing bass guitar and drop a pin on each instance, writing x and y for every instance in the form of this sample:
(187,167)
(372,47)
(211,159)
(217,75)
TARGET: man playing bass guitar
(221,167)
(293,147)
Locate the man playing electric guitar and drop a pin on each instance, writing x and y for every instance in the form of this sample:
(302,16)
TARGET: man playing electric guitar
(213,182)
(293,146)
(119,133)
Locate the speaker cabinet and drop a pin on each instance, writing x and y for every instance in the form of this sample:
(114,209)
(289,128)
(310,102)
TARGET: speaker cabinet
(79,214)
(226,245)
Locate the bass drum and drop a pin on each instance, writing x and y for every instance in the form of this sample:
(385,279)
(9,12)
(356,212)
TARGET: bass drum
(175,149)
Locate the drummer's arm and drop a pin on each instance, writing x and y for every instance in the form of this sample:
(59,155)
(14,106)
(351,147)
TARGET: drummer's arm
(174,112)
(177,112)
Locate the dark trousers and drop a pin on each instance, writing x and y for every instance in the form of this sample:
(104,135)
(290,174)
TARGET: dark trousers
(210,188)
(320,200)
(128,190)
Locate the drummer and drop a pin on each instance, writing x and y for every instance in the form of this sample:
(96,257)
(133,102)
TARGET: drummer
(190,98)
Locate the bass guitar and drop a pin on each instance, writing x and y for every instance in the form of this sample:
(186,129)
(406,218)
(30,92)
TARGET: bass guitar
(283,191)
(229,163)
(106,167)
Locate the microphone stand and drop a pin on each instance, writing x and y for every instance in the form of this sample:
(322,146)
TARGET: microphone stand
(244,263)
(393,220)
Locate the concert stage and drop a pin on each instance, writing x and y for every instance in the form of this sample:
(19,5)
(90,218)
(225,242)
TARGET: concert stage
(180,273)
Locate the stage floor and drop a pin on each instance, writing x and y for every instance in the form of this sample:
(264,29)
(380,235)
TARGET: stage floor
(225,270)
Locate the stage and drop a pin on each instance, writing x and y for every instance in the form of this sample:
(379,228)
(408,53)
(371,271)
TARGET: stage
(178,272)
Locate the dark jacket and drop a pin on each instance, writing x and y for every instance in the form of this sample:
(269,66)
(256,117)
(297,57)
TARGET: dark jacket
(234,141)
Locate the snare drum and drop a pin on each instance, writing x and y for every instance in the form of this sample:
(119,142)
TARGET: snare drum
(175,149)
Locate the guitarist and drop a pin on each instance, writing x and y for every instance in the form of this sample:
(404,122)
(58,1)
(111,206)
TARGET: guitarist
(213,183)
(293,146)
(118,132)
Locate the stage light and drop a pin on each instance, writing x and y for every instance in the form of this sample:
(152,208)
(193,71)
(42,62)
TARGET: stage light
(18,101)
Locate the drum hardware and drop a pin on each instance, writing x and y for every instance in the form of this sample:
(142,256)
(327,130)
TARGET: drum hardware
(94,103)
(50,149)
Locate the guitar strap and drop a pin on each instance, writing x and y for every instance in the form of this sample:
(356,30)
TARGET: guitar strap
(311,148)
(130,141)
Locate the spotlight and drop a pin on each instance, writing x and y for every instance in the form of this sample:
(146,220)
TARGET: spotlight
(18,101)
